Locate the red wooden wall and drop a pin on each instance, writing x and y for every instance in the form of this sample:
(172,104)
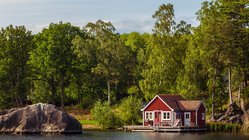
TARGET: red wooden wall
(201,110)
(157,104)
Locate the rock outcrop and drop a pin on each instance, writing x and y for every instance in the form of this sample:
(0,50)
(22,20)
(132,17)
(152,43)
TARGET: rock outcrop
(245,120)
(232,115)
(38,118)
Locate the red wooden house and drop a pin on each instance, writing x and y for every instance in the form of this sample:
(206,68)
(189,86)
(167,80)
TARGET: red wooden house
(173,110)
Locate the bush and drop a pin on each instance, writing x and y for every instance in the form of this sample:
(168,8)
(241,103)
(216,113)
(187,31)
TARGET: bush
(223,127)
(129,110)
(102,113)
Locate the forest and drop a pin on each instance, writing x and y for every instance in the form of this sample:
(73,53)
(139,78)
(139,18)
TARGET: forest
(66,65)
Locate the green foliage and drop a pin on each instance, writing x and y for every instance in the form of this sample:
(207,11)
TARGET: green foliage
(130,110)
(164,20)
(6,101)
(15,44)
(137,45)
(40,93)
(220,48)
(223,127)
(103,114)
(167,50)
(191,82)
(133,90)
(87,102)
(106,50)
(53,59)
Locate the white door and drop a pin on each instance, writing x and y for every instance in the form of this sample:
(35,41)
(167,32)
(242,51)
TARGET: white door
(187,118)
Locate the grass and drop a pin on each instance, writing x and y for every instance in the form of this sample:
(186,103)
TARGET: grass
(88,122)
(223,127)
(83,116)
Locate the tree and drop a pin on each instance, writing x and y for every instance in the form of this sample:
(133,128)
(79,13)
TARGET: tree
(236,14)
(105,49)
(218,33)
(191,82)
(167,49)
(15,44)
(52,60)
(137,45)
(164,17)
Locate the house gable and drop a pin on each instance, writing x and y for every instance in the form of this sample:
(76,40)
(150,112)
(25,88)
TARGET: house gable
(157,104)
(202,105)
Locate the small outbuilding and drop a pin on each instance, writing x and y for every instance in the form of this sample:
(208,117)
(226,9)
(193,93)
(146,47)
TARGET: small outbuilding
(173,110)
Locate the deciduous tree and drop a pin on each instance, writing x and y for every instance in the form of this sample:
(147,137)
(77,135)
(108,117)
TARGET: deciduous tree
(15,44)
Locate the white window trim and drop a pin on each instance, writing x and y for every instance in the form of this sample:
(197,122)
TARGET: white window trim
(151,119)
(202,116)
(170,115)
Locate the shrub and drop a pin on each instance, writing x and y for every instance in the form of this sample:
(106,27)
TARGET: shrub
(102,113)
(129,110)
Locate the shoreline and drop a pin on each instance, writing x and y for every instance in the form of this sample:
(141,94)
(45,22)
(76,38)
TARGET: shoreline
(92,127)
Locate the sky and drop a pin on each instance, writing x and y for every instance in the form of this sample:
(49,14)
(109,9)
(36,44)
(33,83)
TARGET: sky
(126,15)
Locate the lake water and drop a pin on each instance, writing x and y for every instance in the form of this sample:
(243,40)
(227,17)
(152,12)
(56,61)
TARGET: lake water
(120,135)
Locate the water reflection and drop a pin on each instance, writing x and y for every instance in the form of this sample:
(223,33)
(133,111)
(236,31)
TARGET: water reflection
(120,135)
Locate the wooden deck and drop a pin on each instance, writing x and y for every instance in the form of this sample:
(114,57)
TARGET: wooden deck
(141,128)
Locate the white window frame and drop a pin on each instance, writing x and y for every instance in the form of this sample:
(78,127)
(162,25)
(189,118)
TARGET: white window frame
(168,114)
(150,115)
(202,116)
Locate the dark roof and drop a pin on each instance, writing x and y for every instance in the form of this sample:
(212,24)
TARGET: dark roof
(171,100)
(189,105)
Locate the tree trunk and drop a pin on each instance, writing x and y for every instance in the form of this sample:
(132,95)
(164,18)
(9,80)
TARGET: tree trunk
(242,104)
(21,102)
(212,111)
(62,91)
(18,88)
(245,79)
(109,92)
(239,95)
(79,94)
(17,101)
(229,85)
(53,90)
(213,92)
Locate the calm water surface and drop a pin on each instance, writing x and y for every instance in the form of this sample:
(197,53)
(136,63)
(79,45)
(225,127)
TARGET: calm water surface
(120,135)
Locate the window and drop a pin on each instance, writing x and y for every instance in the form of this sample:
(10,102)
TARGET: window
(166,115)
(187,116)
(203,116)
(148,116)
